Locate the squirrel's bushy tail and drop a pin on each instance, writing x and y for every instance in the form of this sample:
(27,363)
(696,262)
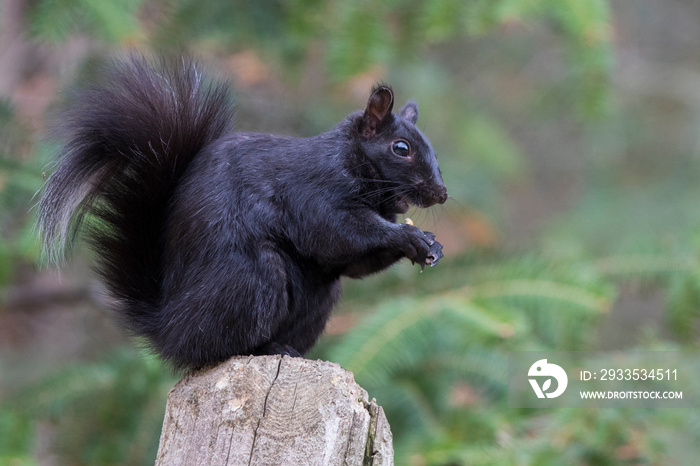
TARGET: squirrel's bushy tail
(126,142)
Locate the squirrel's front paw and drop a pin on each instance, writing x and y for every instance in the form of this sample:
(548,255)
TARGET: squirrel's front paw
(435,253)
(421,247)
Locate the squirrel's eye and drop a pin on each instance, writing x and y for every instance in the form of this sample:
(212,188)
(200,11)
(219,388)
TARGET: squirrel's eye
(400,148)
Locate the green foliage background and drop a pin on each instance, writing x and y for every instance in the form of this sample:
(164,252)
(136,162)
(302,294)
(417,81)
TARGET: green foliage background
(573,191)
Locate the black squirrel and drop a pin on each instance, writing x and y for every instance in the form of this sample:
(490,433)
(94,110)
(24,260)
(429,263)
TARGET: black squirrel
(217,243)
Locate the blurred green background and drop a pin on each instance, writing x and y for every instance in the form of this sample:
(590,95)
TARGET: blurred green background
(568,132)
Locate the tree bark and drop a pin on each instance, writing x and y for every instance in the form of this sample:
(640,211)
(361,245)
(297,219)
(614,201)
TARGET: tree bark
(269,410)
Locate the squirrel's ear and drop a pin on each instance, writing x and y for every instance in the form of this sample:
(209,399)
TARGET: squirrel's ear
(378,110)
(410,111)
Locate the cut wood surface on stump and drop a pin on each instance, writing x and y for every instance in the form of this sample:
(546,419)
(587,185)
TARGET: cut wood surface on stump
(273,410)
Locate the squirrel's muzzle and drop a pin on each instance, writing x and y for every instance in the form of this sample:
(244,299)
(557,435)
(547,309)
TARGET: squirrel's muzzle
(431,195)
(441,194)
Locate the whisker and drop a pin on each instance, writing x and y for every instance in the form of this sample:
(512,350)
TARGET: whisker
(452,199)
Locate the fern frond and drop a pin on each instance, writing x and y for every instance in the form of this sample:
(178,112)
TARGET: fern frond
(542,289)
(400,332)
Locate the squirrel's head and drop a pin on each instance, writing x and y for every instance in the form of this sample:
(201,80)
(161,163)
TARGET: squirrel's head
(399,153)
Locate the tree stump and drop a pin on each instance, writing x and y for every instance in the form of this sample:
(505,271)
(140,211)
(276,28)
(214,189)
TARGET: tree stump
(273,410)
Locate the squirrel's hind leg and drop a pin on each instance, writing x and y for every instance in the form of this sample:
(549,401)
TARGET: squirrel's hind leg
(311,301)
(218,309)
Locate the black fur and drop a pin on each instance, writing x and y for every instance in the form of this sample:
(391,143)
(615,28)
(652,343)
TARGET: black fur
(217,243)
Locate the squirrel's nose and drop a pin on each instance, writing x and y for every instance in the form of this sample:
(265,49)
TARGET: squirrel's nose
(434,195)
(441,194)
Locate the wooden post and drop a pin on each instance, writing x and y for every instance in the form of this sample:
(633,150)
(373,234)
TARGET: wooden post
(273,410)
